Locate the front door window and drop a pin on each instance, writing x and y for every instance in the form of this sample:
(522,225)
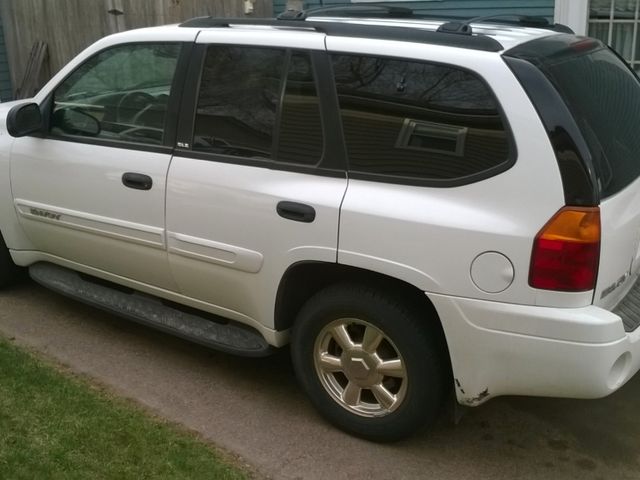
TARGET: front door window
(121,94)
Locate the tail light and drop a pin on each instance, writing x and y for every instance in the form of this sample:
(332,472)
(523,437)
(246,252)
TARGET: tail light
(566,251)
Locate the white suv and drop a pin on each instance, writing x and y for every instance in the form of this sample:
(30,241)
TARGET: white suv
(417,206)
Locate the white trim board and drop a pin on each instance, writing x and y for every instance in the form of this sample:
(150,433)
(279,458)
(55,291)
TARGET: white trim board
(573,13)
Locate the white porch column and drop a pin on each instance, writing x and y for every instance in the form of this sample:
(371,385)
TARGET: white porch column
(574,14)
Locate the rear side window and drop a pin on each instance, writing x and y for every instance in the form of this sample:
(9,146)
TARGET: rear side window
(418,121)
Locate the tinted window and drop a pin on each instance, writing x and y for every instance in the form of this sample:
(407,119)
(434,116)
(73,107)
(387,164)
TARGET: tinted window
(603,95)
(238,101)
(417,120)
(300,136)
(119,94)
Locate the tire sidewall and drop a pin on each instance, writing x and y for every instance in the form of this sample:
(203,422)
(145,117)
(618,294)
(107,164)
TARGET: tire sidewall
(400,325)
(8,270)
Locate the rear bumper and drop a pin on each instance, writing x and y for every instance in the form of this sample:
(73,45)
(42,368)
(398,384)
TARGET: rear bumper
(503,349)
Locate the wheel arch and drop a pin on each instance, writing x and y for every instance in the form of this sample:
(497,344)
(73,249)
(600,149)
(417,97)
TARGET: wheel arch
(303,279)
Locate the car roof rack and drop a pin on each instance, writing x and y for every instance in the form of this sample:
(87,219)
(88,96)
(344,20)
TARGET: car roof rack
(455,25)
(385,32)
(463,27)
(366,11)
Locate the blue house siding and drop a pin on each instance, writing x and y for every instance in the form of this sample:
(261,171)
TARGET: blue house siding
(6,91)
(453,8)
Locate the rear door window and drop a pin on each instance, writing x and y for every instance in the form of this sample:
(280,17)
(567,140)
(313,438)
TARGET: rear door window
(259,103)
(238,102)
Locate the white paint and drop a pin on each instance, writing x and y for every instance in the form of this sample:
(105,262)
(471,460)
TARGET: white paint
(492,272)
(574,14)
(620,218)
(522,350)
(215,252)
(235,206)
(263,36)
(103,224)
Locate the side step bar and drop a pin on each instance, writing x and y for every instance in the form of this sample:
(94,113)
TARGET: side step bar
(150,311)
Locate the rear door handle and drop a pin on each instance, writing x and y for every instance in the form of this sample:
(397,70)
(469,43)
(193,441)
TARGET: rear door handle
(298,212)
(137,181)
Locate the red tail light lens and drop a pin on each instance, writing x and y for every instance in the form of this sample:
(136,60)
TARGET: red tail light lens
(566,251)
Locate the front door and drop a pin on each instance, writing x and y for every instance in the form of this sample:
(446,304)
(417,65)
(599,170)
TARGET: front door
(92,191)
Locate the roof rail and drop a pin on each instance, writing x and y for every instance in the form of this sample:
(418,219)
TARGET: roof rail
(216,22)
(385,32)
(370,11)
(463,27)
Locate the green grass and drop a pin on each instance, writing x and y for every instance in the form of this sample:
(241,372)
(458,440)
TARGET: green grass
(53,426)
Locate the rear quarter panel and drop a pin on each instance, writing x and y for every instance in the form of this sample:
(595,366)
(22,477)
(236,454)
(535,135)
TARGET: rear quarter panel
(429,236)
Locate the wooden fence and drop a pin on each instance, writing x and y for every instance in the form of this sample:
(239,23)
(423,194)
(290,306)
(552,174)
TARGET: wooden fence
(69,26)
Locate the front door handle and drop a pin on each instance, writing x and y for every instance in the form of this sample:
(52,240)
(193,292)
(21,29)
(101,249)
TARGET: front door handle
(137,181)
(298,212)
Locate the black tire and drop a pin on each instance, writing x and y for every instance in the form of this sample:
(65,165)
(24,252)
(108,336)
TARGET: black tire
(408,337)
(9,272)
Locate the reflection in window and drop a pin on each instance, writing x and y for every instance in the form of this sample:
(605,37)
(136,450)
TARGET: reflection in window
(238,101)
(300,138)
(414,119)
(120,94)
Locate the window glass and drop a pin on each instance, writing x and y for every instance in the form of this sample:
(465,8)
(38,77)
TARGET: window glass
(300,137)
(119,94)
(238,101)
(603,95)
(417,120)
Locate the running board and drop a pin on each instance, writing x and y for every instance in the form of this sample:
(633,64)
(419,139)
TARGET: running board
(150,311)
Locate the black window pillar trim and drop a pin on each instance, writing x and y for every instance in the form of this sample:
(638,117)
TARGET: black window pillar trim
(176,95)
(189,103)
(575,161)
(334,156)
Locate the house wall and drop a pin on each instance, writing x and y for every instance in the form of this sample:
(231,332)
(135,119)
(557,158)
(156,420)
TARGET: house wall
(462,8)
(69,26)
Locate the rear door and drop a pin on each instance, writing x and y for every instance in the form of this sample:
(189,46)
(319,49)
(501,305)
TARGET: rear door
(256,185)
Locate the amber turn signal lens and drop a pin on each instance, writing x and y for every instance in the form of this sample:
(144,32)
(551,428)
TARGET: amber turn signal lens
(566,252)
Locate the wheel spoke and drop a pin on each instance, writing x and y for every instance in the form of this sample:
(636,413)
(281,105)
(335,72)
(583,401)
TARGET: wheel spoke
(341,336)
(351,394)
(384,396)
(391,368)
(371,340)
(330,363)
